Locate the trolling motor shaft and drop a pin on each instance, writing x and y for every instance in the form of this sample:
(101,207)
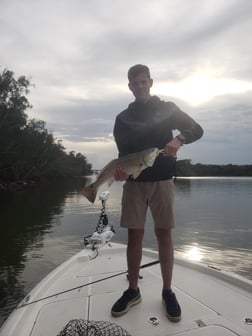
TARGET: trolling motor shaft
(103,232)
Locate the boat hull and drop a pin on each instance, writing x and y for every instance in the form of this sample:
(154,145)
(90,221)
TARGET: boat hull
(213,302)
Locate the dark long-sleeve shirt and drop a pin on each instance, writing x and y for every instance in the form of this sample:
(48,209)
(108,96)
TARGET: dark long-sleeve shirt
(145,125)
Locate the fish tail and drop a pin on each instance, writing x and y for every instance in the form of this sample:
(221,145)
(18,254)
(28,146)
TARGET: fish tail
(89,192)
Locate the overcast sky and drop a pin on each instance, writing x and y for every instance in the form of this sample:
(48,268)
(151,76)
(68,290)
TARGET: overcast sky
(77,53)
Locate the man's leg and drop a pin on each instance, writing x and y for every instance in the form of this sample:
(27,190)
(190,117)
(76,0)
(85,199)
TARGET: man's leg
(134,255)
(165,246)
(132,295)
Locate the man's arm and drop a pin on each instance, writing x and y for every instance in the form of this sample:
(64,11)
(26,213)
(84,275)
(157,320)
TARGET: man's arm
(189,128)
(172,147)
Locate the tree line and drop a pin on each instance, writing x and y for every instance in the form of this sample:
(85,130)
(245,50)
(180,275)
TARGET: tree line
(186,168)
(28,151)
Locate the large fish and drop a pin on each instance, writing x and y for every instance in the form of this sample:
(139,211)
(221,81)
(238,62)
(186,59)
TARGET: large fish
(133,164)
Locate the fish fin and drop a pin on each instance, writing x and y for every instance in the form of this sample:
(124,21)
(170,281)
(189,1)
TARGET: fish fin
(106,167)
(135,175)
(110,181)
(138,171)
(89,192)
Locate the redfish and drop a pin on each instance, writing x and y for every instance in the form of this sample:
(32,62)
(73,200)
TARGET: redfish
(133,164)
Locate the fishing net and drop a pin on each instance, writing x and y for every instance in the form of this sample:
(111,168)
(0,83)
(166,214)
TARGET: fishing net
(92,328)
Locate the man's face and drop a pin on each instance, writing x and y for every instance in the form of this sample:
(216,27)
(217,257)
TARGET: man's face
(140,87)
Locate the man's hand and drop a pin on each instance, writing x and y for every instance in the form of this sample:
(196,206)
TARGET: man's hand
(121,174)
(172,147)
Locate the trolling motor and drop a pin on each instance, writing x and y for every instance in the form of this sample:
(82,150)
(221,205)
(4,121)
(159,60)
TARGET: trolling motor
(103,232)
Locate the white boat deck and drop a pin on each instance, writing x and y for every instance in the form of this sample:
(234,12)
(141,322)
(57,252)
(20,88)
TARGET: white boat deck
(211,305)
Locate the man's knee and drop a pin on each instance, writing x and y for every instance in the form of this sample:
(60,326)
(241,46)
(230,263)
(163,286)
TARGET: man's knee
(163,234)
(135,236)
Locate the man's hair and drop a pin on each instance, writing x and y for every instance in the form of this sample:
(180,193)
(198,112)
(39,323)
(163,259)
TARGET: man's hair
(136,70)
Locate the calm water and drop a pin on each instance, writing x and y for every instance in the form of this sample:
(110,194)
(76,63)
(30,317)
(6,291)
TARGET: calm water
(41,227)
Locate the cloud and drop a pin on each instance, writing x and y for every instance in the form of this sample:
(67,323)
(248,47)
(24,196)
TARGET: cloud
(77,54)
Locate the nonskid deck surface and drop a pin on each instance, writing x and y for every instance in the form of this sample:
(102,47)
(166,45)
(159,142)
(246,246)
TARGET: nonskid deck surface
(209,305)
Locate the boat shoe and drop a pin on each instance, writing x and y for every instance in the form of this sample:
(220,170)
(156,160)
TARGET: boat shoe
(129,298)
(173,310)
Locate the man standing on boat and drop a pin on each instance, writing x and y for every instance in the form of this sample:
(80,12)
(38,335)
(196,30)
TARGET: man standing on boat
(149,122)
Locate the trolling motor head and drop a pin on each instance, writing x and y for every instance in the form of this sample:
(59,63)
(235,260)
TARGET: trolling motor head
(104,232)
(104,195)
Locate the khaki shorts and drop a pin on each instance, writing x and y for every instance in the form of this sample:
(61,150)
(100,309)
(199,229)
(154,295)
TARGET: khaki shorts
(138,196)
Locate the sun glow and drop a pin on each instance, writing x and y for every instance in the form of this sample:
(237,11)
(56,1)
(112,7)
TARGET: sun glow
(194,253)
(201,87)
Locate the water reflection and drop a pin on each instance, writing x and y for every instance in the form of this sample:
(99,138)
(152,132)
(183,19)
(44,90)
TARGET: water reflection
(26,216)
(183,185)
(194,253)
(236,261)
(43,226)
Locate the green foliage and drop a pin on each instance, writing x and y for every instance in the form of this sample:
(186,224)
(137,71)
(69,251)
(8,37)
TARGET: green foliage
(185,168)
(27,150)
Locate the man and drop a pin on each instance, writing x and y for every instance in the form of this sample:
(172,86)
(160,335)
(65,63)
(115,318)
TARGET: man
(149,122)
